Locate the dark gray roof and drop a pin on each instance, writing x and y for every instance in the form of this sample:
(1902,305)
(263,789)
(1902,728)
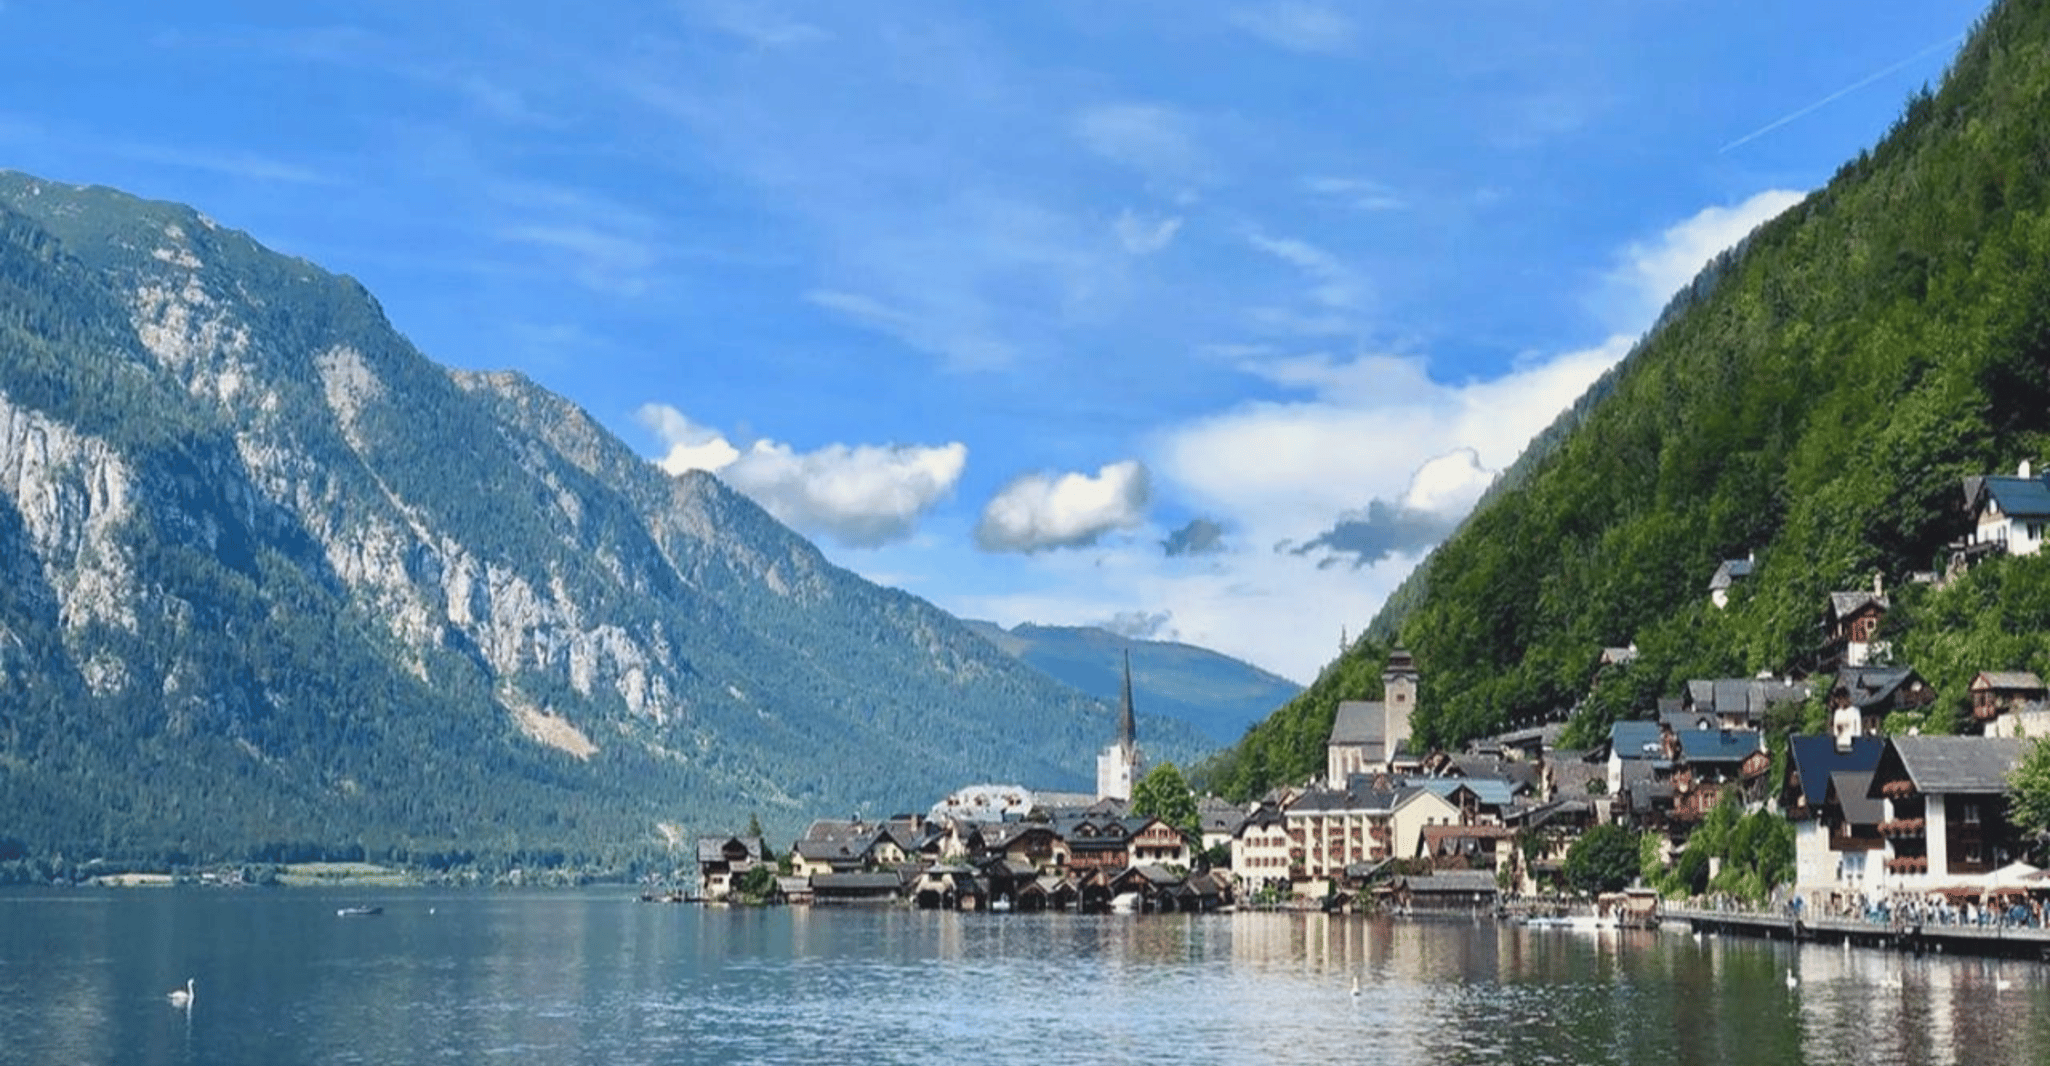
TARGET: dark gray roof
(1728,573)
(1845,604)
(1359,722)
(1853,795)
(1817,760)
(1870,686)
(2019,497)
(857,882)
(712,849)
(1360,798)
(1959,764)
(1719,745)
(1480,881)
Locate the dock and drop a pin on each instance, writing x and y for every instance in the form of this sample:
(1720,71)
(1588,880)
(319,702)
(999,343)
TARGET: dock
(1998,941)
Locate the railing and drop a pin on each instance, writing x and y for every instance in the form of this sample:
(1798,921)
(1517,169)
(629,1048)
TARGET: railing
(1908,864)
(1903,828)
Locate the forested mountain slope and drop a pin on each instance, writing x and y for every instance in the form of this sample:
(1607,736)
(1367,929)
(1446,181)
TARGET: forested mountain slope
(270,580)
(1815,400)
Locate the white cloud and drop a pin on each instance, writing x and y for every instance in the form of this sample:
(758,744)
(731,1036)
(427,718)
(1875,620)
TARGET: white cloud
(1141,236)
(1299,26)
(860,495)
(1648,273)
(1334,295)
(1358,194)
(1041,511)
(1149,138)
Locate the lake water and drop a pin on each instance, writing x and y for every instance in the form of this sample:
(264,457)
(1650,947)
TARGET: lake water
(596,977)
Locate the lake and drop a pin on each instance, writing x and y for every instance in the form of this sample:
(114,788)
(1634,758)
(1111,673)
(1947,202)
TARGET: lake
(596,977)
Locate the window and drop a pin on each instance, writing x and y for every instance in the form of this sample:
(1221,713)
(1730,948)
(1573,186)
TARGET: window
(1970,814)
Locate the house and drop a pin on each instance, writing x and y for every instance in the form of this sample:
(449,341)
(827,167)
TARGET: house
(1155,841)
(1709,763)
(1371,819)
(1853,816)
(1369,735)
(722,861)
(1740,702)
(2008,513)
(1218,822)
(1726,576)
(1945,809)
(1850,629)
(1033,844)
(1260,851)
(1479,800)
(1632,742)
(1862,696)
(1466,847)
(2009,703)
(1820,822)
(1096,841)
(1449,890)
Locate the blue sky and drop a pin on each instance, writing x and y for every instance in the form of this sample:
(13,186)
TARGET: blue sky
(1205,319)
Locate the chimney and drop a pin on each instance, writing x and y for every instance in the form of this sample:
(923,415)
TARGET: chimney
(2022,470)
(1878,589)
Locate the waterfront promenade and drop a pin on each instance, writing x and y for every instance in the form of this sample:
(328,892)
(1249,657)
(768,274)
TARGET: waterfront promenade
(2004,941)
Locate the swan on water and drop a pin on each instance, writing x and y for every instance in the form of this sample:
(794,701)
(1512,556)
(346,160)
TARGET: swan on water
(1792,981)
(181,997)
(1355,986)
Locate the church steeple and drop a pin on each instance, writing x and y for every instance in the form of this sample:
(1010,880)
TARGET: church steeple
(1128,725)
(1120,764)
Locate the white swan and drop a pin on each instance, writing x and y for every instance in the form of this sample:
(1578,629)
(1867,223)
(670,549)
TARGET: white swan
(1792,981)
(1355,986)
(2002,984)
(181,997)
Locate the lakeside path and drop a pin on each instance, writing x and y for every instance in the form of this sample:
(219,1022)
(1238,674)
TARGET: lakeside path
(2019,942)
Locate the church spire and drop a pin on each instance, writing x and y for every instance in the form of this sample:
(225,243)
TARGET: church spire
(1128,726)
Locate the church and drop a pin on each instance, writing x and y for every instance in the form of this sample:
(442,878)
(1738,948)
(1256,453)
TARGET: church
(1370,736)
(1121,765)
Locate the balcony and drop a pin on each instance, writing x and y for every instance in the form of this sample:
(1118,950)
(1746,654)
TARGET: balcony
(1898,790)
(1904,828)
(1908,864)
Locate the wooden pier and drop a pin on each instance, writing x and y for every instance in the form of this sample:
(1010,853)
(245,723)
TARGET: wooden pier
(2012,942)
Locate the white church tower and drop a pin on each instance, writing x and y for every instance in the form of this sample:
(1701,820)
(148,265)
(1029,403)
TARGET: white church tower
(1121,765)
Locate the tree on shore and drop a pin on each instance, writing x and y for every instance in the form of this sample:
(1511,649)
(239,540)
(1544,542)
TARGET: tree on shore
(1164,794)
(2029,795)
(1603,860)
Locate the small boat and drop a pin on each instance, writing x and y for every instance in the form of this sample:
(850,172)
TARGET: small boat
(358,912)
(1125,903)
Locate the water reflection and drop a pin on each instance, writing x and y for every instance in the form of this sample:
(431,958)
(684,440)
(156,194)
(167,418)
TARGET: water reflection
(596,978)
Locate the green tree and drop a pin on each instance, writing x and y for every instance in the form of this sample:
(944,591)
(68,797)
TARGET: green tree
(2029,794)
(1603,860)
(1164,794)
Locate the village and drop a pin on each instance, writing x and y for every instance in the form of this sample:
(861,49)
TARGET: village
(1886,828)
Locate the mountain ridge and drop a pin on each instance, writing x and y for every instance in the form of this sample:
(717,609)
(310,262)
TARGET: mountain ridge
(329,591)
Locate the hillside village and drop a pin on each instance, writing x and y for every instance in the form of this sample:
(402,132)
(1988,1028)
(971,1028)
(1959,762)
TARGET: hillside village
(1876,816)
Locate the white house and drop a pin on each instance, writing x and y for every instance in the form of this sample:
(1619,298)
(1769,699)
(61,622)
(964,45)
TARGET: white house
(2009,511)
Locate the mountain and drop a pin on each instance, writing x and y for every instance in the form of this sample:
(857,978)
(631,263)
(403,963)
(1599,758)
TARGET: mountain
(1815,398)
(1217,694)
(276,584)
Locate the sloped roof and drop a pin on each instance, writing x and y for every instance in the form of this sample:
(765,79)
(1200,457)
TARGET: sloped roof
(1728,573)
(1872,685)
(1320,800)
(2019,497)
(1854,796)
(1487,791)
(1359,722)
(713,849)
(1635,740)
(1719,745)
(1817,760)
(1845,604)
(1959,764)
(1478,881)
(2008,679)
